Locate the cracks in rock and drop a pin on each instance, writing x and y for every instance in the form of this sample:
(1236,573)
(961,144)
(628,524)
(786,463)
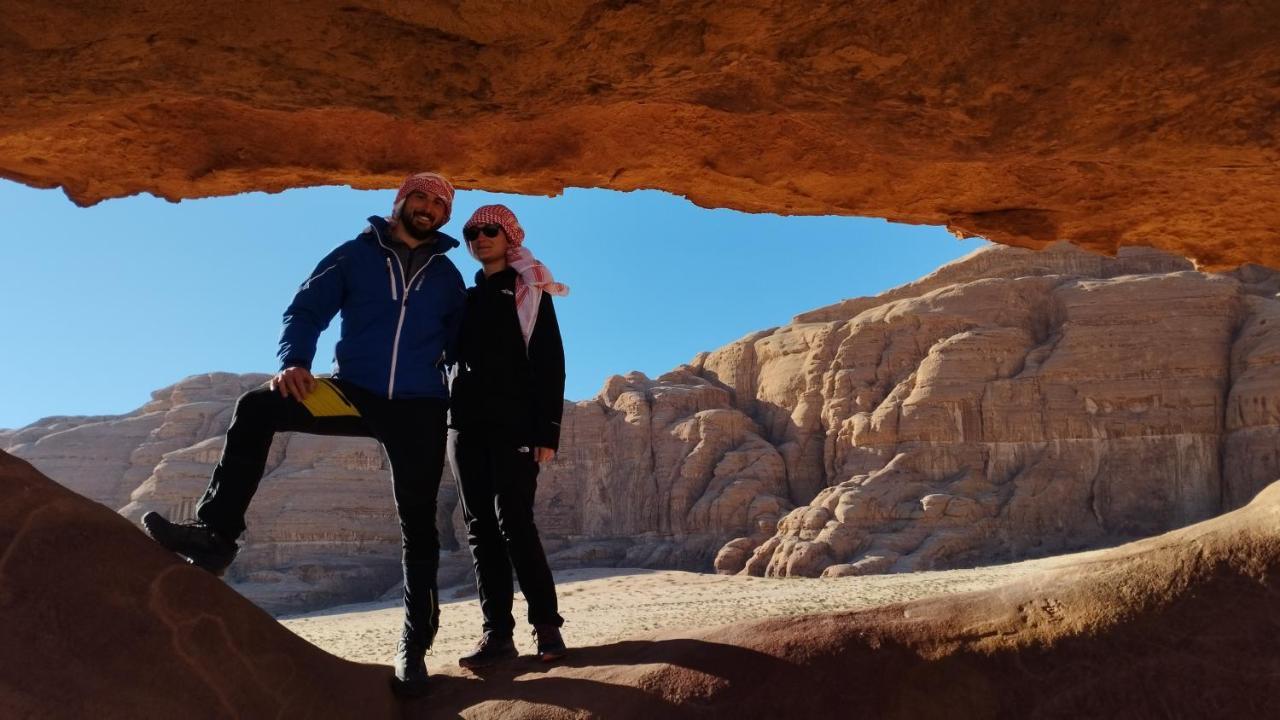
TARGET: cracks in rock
(1240,318)
(176,627)
(652,474)
(22,530)
(1092,501)
(1047,330)
(176,643)
(1038,355)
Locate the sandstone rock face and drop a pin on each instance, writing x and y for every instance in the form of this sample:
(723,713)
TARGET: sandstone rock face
(1185,620)
(658,474)
(1011,405)
(105,458)
(652,474)
(1102,122)
(101,622)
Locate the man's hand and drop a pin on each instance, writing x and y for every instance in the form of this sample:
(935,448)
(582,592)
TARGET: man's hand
(543,455)
(295,382)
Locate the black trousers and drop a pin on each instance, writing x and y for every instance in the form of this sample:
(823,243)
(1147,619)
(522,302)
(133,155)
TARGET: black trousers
(412,433)
(497,480)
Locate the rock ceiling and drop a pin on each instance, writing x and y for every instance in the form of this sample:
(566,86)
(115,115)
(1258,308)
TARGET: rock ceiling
(1024,121)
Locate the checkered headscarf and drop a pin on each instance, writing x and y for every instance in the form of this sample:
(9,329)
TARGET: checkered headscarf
(429,183)
(533,279)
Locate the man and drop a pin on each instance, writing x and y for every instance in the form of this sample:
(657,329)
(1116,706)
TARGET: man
(401,301)
(508,397)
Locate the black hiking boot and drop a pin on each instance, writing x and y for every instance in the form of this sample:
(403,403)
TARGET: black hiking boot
(200,544)
(491,650)
(411,669)
(550,644)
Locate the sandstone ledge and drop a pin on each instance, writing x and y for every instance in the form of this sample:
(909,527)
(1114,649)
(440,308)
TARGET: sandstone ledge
(1102,123)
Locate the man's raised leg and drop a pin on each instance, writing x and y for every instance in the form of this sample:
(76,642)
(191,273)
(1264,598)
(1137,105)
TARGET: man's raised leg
(210,541)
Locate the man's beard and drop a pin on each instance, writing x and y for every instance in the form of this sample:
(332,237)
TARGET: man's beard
(406,221)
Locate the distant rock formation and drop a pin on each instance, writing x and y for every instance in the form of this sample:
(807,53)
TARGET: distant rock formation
(658,473)
(1013,403)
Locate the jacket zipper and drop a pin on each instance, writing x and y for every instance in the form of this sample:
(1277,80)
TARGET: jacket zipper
(391,278)
(404,303)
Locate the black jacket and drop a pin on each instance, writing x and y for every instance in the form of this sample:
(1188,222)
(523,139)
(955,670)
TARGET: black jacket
(498,384)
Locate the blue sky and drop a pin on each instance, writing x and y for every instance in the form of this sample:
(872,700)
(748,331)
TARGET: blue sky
(99,306)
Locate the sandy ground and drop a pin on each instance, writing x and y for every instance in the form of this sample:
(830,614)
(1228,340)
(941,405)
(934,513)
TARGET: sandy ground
(607,604)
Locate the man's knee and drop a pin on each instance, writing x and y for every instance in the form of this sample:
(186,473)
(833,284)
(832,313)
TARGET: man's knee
(259,401)
(258,408)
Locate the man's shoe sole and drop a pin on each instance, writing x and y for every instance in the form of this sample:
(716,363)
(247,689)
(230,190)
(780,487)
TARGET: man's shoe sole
(490,662)
(553,655)
(214,564)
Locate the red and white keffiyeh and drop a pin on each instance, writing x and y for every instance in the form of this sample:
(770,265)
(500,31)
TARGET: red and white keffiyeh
(533,278)
(427,182)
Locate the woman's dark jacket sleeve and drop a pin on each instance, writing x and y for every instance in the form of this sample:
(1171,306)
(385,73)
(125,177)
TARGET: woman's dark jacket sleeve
(546,361)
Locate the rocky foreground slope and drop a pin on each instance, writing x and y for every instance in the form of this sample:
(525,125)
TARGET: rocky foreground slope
(1011,404)
(99,621)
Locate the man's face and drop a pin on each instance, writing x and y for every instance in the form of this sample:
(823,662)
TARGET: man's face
(422,213)
(489,247)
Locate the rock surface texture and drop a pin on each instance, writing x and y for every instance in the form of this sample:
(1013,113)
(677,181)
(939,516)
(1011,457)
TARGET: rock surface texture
(1011,404)
(121,629)
(101,622)
(1103,123)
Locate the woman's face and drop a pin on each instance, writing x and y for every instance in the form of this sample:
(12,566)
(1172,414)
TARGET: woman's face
(489,248)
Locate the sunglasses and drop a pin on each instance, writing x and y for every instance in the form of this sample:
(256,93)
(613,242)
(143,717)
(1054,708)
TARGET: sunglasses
(473,232)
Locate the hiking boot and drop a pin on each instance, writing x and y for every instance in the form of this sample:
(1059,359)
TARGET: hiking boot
(550,644)
(200,544)
(491,649)
(411,669)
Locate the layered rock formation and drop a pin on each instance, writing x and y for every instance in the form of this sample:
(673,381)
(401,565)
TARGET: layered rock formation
(120,629)
(106,458)
(654,474)
(1102,122)
(651,474)
(1010,404)
(658,474)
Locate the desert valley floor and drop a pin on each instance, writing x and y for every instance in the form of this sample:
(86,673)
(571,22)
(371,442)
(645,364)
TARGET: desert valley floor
(603,605)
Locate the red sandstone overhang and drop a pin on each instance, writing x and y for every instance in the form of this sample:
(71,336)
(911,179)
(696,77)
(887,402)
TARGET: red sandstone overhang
(1101,122)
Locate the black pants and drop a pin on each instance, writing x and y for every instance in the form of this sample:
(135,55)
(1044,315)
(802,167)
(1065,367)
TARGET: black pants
(412,433)
(496,481)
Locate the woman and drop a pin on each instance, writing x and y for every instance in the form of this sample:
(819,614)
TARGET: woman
(506,402)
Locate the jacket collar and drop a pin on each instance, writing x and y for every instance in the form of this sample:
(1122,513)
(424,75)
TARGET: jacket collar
(503,279)
(382,233)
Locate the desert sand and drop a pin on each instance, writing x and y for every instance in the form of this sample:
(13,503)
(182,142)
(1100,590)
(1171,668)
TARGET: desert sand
(603,605)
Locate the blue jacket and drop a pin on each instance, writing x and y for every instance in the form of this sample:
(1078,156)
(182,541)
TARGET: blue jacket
(396,331)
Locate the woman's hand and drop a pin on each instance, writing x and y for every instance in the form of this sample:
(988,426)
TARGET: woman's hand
(543,455)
